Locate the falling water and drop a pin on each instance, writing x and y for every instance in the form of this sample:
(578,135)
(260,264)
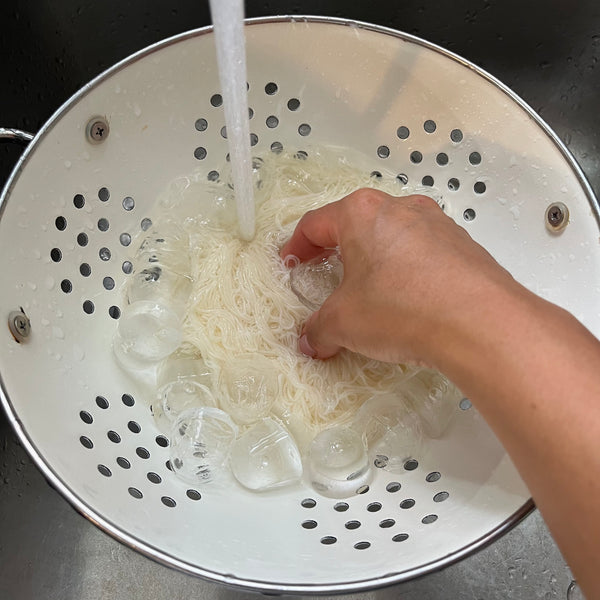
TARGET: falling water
(228,21)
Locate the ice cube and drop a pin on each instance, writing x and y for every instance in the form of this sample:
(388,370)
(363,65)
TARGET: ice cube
(160,284)
(435,398)
(249,385)
(315,280)
(392,430)
(146,334)
(183,383)
(265,456)
(338,462)
(201,441)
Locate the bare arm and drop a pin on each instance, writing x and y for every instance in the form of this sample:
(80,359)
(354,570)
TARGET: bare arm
(417,288)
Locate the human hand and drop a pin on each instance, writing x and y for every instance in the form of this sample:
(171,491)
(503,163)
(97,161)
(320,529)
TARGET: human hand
(411,278)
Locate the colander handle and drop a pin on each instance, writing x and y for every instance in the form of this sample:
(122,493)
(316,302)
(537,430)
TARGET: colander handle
(15,135)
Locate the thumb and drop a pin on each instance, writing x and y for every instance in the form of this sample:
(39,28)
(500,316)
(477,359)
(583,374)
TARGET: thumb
(320,337)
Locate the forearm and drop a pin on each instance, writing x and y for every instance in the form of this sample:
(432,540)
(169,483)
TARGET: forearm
(533,371)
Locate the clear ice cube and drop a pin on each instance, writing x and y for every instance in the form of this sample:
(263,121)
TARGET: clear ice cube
(435,398)
(392,430)
(146,334)
(160,284)
(315,280)
(338,462)
(183,383)
(265,456)
(201,441)
(249,388)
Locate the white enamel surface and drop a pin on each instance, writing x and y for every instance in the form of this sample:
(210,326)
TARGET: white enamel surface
(356,87)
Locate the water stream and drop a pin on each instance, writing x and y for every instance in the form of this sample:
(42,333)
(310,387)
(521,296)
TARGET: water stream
(228,21)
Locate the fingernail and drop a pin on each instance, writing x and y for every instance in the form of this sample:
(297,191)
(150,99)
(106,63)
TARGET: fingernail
(305,347)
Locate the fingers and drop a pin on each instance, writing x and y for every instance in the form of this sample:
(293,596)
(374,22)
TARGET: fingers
(315,231)
(320,337)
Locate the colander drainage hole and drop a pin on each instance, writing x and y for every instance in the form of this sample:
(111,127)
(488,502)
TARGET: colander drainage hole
(352,524)
(479,187)
(128,203)
(308,503)
(127,400)
(86,417)
(88,307)
(453,184)
(400,537)
(272,121)
(123,462)
(145,224)
(55,255)
(469,214)
(277,147)
(363,489)
(387,523)
(374,507)
(82,239)
(134,427)
(271,88)
(213,176)
(104,254)
(408,503)
(293,104)
(102,402)
(383,152)
(162,441)
(328,540)
(216,100)
(78,201)
(341,506)
(442,159)
(104,470)
(416,157)
(169,502)
(362,545)
(154,477)
(393,487)
(66,286)
(103,224)
(456,135)
(403,132)
(402,178)
(168,465)
(127,267)
(113,436)
(125,239)
(309,524)
(85,269)
(135,493)
(201,124)
(429,126)
(108,283)
(411,464)
(475,158)
(376,175)
(427,180)
(103,194)
(433,477)
(60,223)
(193,494)
(142,452)
(441,496)
(86,442)
(200,153)
(429,519)
(304,129)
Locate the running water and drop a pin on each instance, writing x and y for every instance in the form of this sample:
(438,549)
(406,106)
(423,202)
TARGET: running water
(228,21)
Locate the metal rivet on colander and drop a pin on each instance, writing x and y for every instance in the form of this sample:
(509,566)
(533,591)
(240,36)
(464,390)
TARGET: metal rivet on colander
(97,130)
(557,217)
(19,325)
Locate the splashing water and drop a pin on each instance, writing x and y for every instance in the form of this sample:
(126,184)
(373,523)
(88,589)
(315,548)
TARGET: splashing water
(228,21)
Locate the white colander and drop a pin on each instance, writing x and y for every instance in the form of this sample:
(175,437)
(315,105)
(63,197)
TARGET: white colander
(81,192)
